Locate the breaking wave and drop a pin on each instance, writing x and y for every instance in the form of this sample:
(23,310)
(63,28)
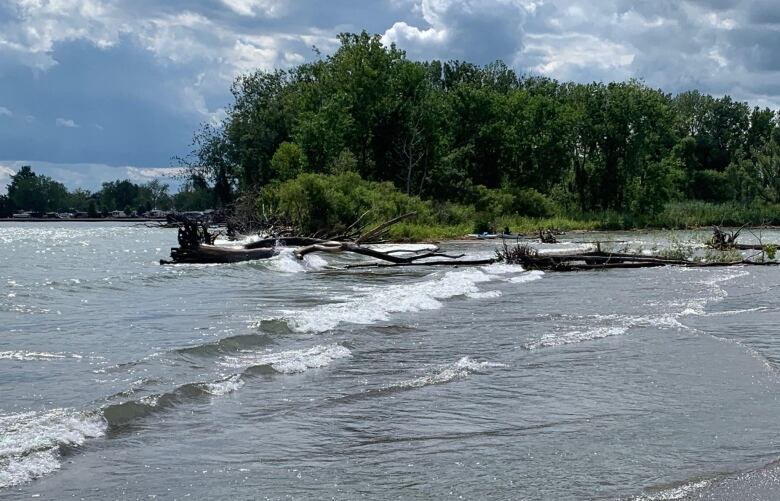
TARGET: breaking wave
(31,443)
(378,303)
(450,372)
(288,362)
(33,356)
(618,325)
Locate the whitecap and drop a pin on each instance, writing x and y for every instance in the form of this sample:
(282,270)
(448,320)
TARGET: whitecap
(621,324)
(29,356)
(286,262)
(225,386)
(30,441)
(675,493)
(380,302)
(447,373)
(528,276)
(288,362)
(484,295)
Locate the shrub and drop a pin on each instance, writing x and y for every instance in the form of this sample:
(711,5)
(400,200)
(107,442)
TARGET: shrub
(320,202)
(531,203)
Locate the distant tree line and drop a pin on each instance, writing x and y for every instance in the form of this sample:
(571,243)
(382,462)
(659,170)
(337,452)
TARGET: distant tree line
(455,132)
(29,191)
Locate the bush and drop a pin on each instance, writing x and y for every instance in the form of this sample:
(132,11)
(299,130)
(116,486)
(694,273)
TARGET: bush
(531,203)
(288,161)
(712,186)
(320,202)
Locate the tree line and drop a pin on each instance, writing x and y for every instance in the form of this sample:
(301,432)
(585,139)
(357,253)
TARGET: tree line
(29,191)
(456,132)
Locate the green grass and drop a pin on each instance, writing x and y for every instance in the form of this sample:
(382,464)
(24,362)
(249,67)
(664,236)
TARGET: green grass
(682,215)
(415,232)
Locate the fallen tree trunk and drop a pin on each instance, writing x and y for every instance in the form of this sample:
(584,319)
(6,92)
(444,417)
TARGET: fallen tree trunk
(196,246)
(530,259)
(211,254)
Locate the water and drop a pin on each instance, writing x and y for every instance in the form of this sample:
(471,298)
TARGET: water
(120,378)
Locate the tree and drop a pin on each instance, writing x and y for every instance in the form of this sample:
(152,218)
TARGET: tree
(288,161)
(6,207)
(29,191)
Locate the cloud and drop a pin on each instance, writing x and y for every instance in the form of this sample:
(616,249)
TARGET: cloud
(271,8)
(480,31)
(91,176)
(5,178)
(143,175)
(67,123)
(150,72)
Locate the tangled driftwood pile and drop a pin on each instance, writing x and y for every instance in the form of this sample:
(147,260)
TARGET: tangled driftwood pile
(196,245)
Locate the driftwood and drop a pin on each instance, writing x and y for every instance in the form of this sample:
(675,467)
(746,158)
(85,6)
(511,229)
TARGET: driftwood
(531,259)
(196,246)
(547,237)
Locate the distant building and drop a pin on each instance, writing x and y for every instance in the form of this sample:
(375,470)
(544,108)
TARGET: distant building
(156,213)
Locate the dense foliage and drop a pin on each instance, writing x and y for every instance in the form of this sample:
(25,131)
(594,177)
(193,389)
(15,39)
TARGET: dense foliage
(463,133)
(34,192)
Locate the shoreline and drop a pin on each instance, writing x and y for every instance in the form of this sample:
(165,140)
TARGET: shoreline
(82,220)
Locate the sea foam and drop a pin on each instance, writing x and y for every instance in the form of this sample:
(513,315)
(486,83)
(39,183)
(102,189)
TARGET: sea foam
(379,302)
(30,442)
(288,362)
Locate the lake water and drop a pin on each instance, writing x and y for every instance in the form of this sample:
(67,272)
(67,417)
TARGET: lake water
(121,378)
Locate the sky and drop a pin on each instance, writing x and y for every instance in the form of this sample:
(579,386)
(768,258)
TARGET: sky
(95,90)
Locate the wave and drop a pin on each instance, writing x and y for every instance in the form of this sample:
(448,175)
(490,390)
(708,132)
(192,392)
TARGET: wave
(528,276)
(624,323)
(30,356)
(621,324)
(223,345)
(683,491)
(31,443)
(288,362)
(286,262)
(125,413)
(462,368)
(377,304)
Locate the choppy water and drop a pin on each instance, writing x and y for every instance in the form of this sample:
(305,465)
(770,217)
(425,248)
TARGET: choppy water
(120,378)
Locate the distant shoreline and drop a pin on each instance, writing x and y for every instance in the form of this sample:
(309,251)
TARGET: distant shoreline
(82,220)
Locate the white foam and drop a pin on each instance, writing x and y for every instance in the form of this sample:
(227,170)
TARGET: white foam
(23,469)
(528,276)
(576,336)
(459,369)
(30,441)
(225,386)
(403,247)
(736,312)
(286,262)
(377,304)
(502,269)
(680,492)
(289,362)
(484,295)
(621,325)
(28,356)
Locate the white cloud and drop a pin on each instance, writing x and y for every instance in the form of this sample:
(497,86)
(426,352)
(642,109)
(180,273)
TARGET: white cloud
(66,122)
(5,112)
(90,176)
(563,55)
(144,174)
(5,178)
(269,8)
